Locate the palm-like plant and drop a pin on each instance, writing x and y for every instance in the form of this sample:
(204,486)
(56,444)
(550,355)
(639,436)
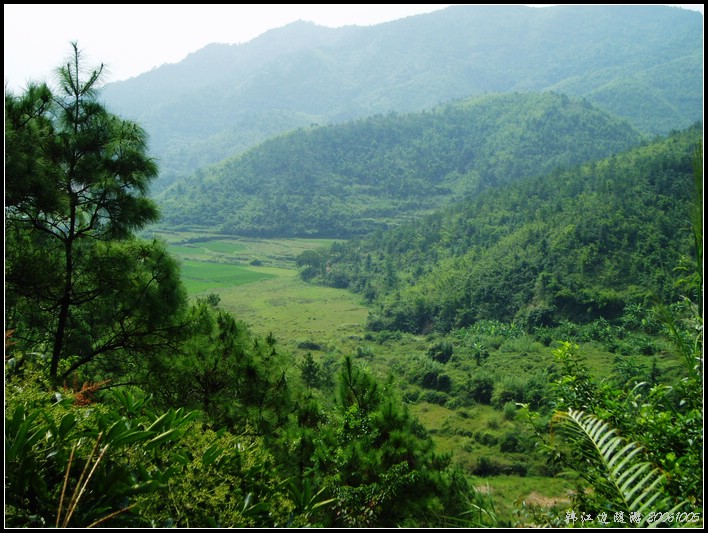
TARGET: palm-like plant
(615,467)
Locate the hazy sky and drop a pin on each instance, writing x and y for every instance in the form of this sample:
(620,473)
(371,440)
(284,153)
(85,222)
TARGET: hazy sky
(131,39)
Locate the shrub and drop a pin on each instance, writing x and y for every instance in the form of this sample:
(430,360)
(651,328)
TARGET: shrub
(511,442)
(364,351)
(485,438)
(480,389)
(515,469)
(441,351)
(309,345)
(510,390)
(411,396)
(436,397)
(387,335)
(486,467)
(430,380)
(444,383)
(50,443)
(493,422)
(509,411)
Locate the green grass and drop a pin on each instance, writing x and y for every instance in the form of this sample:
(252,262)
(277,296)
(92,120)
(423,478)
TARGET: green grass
(213,247)
(517,498)
(224,247)
(202,276)
(190,250)
(271,297)
(295,311)
(207,249)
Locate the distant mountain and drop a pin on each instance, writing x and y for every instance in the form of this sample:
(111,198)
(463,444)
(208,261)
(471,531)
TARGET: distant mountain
(353,178)
(643,63)
(576,244)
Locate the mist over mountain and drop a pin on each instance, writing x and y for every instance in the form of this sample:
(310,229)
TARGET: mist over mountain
(643,63)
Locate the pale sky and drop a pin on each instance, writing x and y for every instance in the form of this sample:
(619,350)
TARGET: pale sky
(134,38)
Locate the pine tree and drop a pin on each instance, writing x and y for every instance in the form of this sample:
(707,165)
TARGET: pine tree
(79,285)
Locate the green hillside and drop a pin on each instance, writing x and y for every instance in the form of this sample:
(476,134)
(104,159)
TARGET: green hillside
(642,63)
(575,244)
(350,179)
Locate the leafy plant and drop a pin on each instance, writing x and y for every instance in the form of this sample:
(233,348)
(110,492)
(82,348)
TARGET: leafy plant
(616,468)
(73,466)
(306,501)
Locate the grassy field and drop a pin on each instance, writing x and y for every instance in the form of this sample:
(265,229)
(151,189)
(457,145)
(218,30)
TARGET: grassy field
(202,276)
(296,312)
(219,248)
(258,282)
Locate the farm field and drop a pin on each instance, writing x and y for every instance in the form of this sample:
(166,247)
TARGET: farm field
(258,282)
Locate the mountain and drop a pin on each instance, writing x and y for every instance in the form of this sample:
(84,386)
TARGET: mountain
(353,178)
(643,63)
(572,245)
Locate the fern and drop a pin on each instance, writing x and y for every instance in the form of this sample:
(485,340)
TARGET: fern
(630,482)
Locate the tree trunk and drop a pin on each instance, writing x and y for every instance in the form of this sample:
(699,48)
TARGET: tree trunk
(65,302)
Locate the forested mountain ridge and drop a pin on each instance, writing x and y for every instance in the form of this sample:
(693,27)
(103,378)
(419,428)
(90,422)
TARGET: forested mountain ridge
(576,244)
(643,63)
(353,178)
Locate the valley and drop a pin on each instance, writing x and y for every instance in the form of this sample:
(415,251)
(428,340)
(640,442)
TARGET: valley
(445,271)
(257,281)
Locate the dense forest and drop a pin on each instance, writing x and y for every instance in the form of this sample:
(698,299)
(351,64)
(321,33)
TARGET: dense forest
(575,244)
(642,63)
(350,179)
(532,266)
